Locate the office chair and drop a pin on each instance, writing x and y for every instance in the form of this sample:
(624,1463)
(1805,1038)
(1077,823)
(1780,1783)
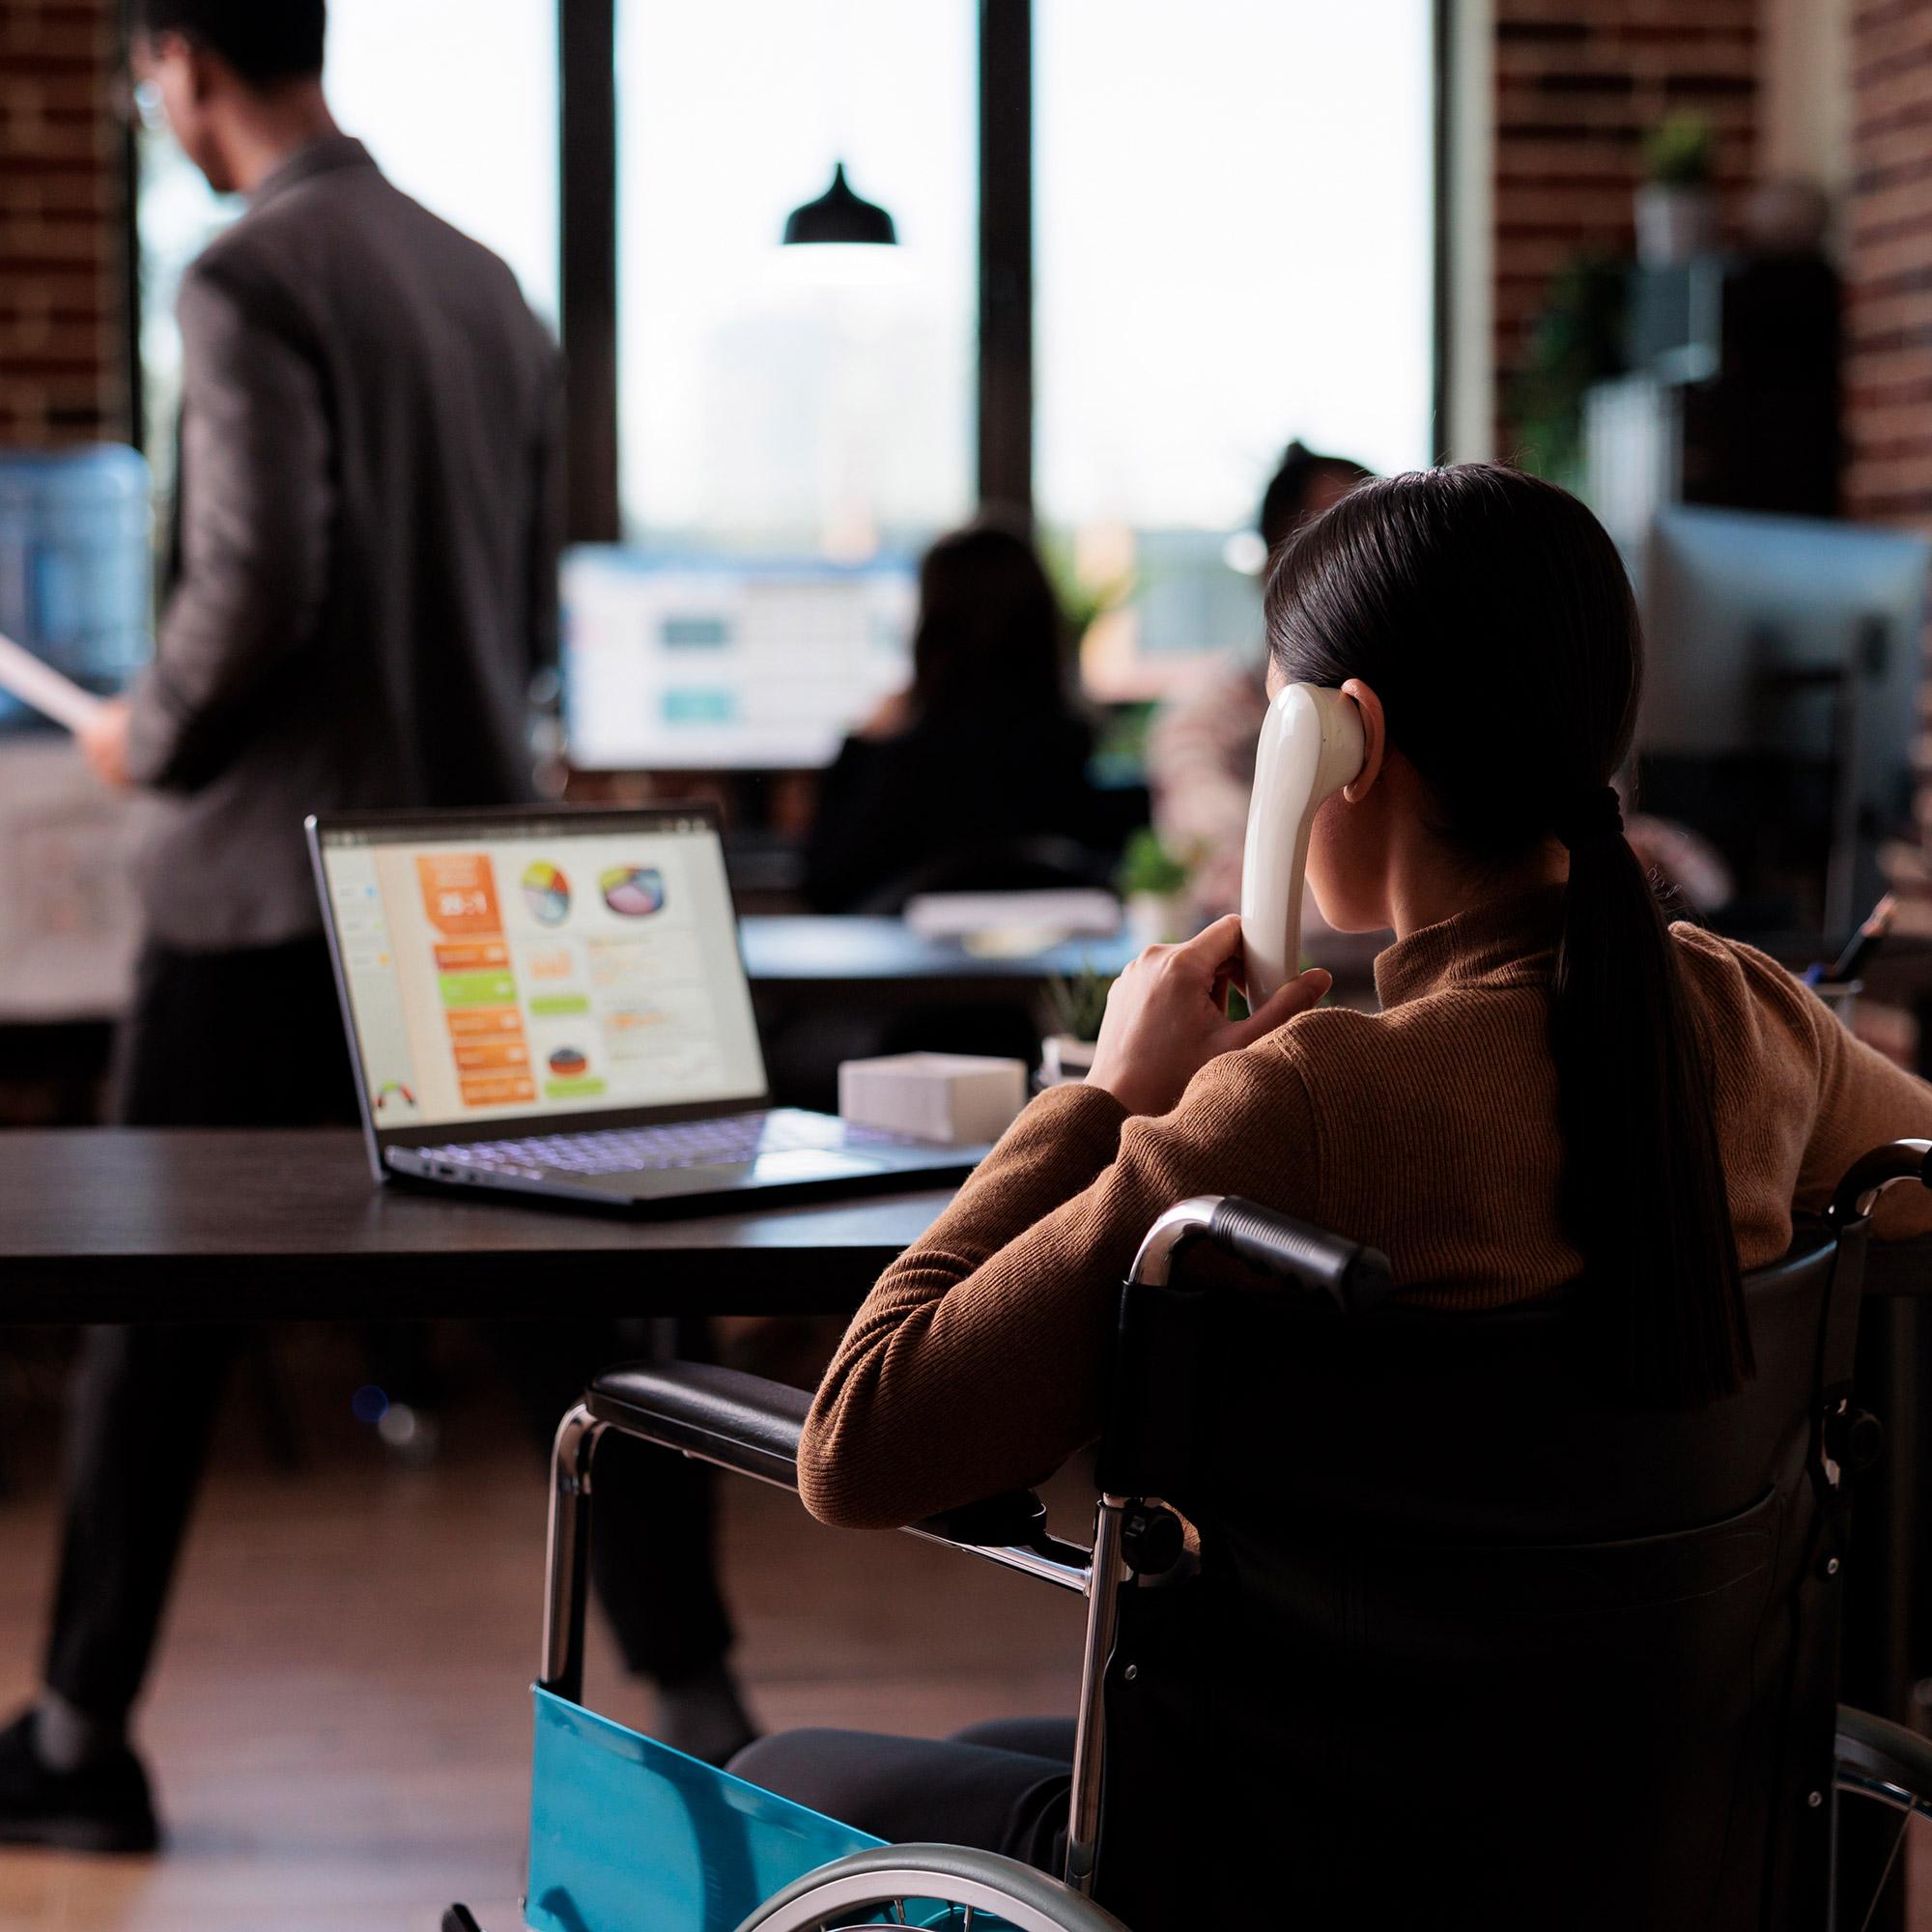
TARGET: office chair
(1467,1640)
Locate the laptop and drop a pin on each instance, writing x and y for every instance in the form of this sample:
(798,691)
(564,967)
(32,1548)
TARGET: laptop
(550,1002)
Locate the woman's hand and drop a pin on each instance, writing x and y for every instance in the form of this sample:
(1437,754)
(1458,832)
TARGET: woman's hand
(1167,1017)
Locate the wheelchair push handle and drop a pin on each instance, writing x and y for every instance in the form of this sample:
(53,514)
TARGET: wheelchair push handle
(1871,1174)
(1355,1278)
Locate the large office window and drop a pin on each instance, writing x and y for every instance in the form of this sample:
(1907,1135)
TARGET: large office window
(794,402)
(458,105)
(1233,245)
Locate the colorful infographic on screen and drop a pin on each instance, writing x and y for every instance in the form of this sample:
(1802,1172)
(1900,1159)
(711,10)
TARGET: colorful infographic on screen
(526,974)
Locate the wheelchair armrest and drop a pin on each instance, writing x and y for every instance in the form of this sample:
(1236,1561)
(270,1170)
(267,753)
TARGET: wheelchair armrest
(752,1427)
(743,1423)
(1016,1519)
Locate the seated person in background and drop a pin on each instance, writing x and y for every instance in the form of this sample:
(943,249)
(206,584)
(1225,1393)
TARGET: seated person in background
(1201,750)
(983,751)
(1558,1084)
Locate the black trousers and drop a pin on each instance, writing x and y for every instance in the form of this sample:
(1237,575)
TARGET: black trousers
(998,1787)
(254,1038)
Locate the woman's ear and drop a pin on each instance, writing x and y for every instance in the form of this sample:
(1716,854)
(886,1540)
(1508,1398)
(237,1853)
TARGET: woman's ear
(1374,740)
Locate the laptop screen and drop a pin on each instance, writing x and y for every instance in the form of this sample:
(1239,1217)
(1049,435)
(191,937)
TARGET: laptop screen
(539,964)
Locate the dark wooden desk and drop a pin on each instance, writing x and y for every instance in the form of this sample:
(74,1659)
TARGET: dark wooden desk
(118,1225)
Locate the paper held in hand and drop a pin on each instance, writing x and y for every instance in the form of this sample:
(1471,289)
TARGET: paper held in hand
(40,684)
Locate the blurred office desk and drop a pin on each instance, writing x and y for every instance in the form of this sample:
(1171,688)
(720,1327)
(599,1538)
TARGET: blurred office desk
(193,1225)
(848,986)
(849,950)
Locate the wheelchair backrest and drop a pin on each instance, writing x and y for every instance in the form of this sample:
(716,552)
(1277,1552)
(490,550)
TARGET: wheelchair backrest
(1472,1640)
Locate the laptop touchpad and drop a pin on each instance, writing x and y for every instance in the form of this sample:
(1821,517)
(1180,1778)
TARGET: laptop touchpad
(811,1164)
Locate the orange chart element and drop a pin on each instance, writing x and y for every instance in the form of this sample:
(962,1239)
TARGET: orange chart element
(480,1022)
(485,1042)
(459,892)
(491,1056)
(497,1090)
(476,956)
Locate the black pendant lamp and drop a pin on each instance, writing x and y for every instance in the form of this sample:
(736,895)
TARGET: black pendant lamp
(839,216)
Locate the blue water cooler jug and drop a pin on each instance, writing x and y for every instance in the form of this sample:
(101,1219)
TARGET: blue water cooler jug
(76,569)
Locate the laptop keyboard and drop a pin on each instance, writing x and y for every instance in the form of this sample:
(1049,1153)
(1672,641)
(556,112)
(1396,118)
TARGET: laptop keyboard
(715,1143)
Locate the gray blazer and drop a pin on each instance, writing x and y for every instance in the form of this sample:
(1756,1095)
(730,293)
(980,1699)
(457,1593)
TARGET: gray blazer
(366,561)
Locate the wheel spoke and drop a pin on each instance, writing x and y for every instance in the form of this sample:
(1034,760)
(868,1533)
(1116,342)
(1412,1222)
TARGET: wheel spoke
(1891,1859)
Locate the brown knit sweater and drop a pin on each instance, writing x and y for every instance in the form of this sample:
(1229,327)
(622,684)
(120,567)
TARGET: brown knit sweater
(1428,1129)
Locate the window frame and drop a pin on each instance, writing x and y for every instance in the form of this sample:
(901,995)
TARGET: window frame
(1004,408)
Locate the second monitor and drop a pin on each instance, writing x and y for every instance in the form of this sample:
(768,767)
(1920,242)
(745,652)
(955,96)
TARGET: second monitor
(720,664)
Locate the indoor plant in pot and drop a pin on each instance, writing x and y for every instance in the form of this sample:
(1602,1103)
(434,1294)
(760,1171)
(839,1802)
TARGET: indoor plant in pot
(1677,206)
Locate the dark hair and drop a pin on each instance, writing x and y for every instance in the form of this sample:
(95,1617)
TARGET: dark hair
(1491,614)
(1285,503)
(990,636)
(264,41)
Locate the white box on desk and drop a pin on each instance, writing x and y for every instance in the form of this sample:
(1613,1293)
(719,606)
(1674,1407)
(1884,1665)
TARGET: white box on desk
(959,1098)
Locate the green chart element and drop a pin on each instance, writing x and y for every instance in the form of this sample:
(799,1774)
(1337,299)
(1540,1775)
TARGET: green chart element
(477,989)
(551,1006)
(571,1090)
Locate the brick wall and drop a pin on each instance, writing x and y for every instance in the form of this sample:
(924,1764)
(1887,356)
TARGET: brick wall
(1578,84)
(1887,267)
(63,297)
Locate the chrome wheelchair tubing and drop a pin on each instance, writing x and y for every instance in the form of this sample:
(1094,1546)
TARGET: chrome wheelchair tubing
(567,1552)
(1185,1222)
(891,1877)
(1089,1738)
(1870,1176)
(1064,1565)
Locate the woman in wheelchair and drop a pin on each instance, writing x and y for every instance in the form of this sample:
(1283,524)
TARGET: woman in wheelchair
(1558,1086)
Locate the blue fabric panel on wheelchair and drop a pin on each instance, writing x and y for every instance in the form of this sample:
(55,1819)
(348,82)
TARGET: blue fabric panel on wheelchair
(629,1835)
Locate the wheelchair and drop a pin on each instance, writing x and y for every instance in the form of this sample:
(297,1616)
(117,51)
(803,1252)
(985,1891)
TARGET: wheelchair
(1464,1639)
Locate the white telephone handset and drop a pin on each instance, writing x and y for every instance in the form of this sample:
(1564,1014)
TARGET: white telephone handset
(1311,746)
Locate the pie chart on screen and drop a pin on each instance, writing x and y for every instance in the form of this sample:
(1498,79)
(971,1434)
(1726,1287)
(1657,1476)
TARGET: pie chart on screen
(568,1063)
(546,894)
(633,891)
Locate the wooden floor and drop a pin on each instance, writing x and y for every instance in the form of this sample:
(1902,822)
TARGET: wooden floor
(339,1726)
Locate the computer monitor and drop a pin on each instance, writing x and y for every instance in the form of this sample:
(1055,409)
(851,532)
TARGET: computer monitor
(1781,704)
(75,575)
(716,664)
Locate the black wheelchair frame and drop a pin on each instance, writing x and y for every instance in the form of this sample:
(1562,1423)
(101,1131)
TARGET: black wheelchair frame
(753,1427)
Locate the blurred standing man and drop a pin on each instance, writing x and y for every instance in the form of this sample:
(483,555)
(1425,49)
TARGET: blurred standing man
(365,580)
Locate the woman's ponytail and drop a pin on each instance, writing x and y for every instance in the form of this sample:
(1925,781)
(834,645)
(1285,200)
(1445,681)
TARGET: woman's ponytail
(1491,614)
(1643,1183)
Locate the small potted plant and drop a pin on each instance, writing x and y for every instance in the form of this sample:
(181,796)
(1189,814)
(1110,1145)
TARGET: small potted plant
(1677,206)
(1078,1005)
(1152,885)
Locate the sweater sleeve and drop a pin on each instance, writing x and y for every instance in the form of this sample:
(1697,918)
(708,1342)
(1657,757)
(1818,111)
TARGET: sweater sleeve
(975,1365)
(1864,1100)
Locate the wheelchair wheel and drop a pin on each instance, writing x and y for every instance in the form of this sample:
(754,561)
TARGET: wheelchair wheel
(1882,1780)
(945,1886)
